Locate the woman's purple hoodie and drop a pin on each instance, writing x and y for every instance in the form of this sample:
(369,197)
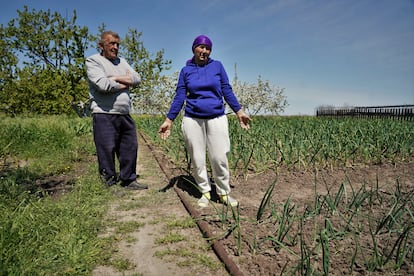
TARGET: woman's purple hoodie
(203,89)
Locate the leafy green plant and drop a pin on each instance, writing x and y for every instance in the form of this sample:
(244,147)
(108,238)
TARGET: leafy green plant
(265,201)
(324,240)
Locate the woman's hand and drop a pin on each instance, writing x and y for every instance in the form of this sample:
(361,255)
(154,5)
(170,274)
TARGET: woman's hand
(165,129)
(244,119)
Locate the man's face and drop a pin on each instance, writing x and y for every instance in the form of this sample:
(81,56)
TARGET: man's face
(110,47)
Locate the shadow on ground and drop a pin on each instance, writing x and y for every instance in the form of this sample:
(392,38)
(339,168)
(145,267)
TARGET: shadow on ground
(187,184)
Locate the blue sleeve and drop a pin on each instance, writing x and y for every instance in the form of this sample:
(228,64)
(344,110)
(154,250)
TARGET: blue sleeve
(227,91)
(179,98)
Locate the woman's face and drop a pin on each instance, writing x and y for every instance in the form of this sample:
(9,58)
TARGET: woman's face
(201,54)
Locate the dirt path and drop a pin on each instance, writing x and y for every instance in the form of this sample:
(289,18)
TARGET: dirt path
(160,216)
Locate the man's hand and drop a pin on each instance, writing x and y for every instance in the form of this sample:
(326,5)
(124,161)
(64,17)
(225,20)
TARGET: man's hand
(124,81)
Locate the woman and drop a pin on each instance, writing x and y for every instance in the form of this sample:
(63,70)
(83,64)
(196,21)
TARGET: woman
(204,86)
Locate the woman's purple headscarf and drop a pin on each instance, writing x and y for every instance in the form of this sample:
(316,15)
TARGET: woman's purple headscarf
(202,40)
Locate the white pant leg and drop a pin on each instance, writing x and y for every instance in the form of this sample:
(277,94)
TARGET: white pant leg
(194,132)
(218,145)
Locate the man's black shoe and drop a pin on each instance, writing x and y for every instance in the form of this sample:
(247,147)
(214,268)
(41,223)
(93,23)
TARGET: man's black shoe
(134,185)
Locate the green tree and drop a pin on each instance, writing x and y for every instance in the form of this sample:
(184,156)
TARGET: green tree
(8,58)
(8,65)
(51,66)
(147,95)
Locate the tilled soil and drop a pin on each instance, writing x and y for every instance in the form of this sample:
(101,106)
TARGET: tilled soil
(154,209)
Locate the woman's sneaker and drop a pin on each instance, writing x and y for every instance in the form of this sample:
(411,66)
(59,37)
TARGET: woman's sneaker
(228,200)
(204,200)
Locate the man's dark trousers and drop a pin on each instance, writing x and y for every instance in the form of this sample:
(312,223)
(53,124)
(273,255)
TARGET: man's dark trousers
(115,135)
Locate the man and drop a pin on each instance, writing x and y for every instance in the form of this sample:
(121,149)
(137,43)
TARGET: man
(110,78)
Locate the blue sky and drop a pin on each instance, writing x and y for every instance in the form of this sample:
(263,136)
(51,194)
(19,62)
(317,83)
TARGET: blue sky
(339,52)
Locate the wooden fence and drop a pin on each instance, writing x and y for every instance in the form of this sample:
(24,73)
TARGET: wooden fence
(401,112)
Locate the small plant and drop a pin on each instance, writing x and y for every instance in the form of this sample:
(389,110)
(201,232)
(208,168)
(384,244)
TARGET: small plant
(324,240)
(236,217)
(171,237)
(180,223)
(265,201)
(122,264)
(128,226)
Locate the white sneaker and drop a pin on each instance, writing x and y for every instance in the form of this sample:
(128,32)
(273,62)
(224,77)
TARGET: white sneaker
(203,201)
(228,200)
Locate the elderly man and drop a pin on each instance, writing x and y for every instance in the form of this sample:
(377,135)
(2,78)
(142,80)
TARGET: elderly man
(110,78)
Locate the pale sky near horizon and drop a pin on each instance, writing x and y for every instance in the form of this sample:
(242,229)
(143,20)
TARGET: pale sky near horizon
(339,52)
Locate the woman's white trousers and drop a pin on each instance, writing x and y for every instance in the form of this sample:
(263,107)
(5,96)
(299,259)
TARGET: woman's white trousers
(208,136)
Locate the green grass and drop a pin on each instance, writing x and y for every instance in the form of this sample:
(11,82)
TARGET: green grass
(50,145)
(128,226)
(186,257)
(39,234)
(184,223)
(171,237)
